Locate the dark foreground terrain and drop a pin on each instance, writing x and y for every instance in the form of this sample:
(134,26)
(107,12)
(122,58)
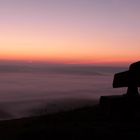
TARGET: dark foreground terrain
(85,123)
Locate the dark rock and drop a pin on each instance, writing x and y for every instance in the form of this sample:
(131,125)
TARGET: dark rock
(125,106)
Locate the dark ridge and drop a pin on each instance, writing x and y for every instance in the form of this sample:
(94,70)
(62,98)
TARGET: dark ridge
(83,123)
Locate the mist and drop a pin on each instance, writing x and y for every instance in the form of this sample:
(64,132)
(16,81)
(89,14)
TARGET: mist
(30,89)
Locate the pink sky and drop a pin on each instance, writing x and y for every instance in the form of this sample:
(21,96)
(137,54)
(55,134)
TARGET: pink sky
(70,31)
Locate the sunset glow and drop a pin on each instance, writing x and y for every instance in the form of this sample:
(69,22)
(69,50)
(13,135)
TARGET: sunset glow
(70,31)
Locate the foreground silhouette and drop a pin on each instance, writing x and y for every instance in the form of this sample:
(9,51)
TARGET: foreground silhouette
(126,106)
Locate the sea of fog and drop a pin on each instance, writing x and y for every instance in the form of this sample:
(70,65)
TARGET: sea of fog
(27,90)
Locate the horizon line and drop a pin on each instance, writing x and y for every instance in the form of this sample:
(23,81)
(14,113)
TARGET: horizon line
(111,63)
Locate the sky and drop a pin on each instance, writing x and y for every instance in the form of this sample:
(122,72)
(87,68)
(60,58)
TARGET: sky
(70,31)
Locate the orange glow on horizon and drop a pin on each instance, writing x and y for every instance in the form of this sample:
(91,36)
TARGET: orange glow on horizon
(106,60)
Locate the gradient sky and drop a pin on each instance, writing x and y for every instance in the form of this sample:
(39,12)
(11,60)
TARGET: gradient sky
(70,31)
